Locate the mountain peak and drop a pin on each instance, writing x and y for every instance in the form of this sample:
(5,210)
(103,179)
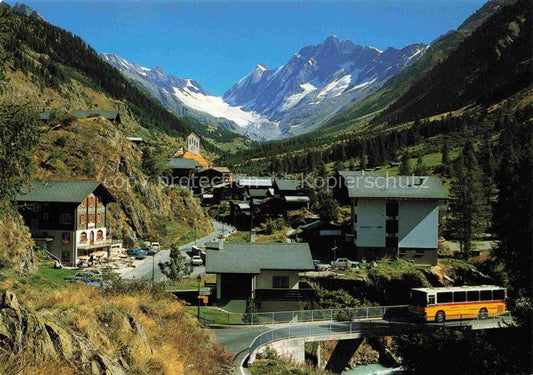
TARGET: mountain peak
(262,67)
(21,8)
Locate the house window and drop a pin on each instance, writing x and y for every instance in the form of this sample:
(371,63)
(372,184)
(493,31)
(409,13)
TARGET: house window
(391,242)
(45,216)
(392,226)
(280,281)
(99,218)
(65,238)
(98,200)
(392,208)
(83,237)
(91,218)
(34,224)
(419,253)
(100,235)
(66,218)
(82,219)
(83,202)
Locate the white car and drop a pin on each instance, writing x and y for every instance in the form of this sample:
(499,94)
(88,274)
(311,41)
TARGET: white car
(196,260)
(341,263)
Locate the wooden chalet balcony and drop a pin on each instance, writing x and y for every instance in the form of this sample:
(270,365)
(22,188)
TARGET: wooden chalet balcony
(281,294)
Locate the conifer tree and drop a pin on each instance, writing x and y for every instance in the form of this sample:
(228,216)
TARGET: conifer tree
(470,210)
(405,165)
(420,168)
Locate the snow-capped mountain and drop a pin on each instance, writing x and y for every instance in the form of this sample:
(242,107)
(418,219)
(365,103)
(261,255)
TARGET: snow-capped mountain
(318,82)
(187,98)
(315,84)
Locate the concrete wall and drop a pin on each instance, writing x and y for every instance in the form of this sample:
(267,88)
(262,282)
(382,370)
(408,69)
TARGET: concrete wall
(371,220)
(264,279)
(418,224)
(292,349)
(57,247)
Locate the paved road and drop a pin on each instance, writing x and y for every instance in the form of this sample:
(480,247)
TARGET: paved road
(143,268)
(237,339)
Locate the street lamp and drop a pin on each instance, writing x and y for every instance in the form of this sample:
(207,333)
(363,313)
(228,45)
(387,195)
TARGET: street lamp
(199,279)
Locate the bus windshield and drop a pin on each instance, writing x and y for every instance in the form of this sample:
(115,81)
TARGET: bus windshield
(419,298)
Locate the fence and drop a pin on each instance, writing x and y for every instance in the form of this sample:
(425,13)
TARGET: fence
(219,317)
(373,328)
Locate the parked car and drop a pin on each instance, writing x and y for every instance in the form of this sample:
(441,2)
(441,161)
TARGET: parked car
(320,266)
(155,246)
(344,263)
(196,260)
(151,251)
(137,254)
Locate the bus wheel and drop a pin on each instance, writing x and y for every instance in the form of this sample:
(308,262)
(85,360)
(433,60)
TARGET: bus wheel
(483,313)
(440,317)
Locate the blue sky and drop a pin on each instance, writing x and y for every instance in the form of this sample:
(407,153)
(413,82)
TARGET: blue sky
(218,42)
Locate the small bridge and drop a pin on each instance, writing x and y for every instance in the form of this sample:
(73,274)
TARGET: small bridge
(290,340)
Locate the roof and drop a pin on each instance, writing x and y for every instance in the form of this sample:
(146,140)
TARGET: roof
(289,185)
(84,113)
(370,185)
(135,139)
(196,157)
(264,182)
(221,170)
(63,191)
(179,163)
(258,193)
(251,258)
(458,288)
(296,199)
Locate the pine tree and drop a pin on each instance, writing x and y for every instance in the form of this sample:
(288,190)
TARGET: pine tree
(445,157)
(514,208)
(420,168)
(470,210)
(405,165)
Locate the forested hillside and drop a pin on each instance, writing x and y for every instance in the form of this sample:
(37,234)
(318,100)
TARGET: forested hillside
(393,89)
(493,63)
(54,56)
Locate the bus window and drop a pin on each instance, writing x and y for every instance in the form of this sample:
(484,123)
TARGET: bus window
(472,296)
(444,297)
(486,295)
(459,296)
(419,298)
(431,299)
(498,294)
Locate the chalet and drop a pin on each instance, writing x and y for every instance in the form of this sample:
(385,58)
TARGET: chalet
(291,192)
(392,216)
(183,170)
(67,218)
(263,275)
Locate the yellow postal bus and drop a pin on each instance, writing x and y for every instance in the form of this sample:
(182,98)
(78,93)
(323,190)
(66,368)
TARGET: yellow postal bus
(461,302)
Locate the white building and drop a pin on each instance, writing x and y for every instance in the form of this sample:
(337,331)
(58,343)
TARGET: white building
(393,216)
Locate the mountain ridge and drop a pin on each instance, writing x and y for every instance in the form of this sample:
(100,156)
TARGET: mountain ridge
(316,83)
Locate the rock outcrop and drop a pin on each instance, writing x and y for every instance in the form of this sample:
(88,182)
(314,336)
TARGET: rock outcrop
(27,334)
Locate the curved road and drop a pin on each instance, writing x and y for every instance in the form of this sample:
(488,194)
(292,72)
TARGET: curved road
(143,268)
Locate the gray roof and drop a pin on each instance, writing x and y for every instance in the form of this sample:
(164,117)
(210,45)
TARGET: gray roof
(371,185)
(180,163)
(62,191)
(265,182)
(289,185)
(258,193)
(83,113)
(251,258)
(296,198)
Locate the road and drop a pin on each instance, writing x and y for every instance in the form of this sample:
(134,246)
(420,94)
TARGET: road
(143,268)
